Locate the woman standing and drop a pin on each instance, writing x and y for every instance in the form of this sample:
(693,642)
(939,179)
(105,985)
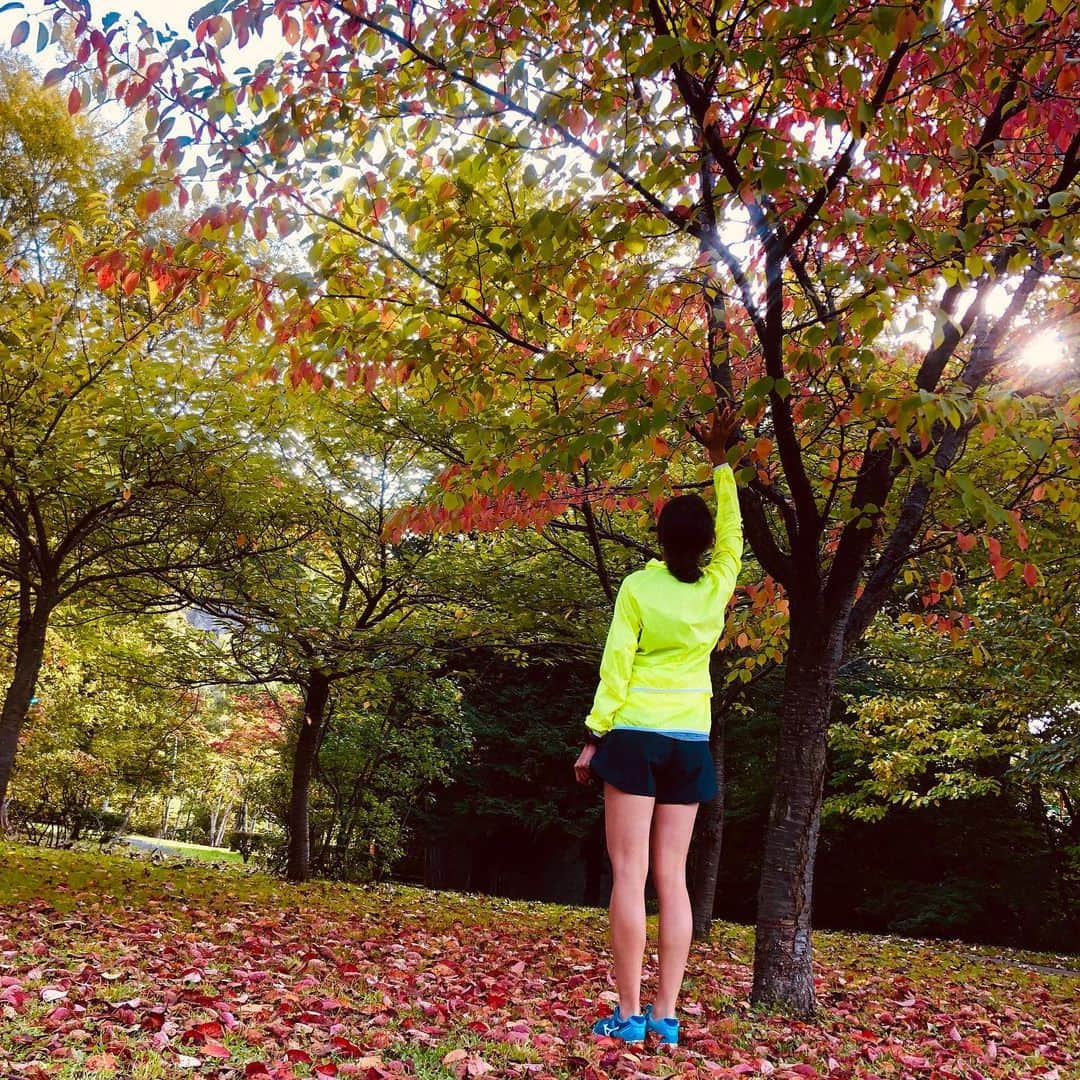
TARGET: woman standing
(649,727)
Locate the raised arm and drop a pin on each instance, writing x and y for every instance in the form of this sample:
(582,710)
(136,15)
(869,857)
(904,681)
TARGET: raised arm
(727,548)
(716,437)
(616,663)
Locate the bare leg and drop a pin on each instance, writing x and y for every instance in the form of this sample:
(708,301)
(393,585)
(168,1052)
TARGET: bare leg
(673,826)
(627,820)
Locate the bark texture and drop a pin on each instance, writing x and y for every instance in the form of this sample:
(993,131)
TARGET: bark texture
(29,652)
(783,971)
(307,749)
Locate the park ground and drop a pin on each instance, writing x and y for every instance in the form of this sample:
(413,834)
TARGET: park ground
(113,967)
(200,852)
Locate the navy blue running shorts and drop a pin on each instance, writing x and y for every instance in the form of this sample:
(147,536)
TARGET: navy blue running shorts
(648,763)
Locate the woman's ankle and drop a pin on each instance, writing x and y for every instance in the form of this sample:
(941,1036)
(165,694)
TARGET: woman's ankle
(662,1013)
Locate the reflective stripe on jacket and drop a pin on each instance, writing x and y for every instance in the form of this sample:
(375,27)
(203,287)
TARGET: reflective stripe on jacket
(654,674)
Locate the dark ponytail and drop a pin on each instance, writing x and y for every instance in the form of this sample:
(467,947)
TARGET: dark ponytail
(685,530)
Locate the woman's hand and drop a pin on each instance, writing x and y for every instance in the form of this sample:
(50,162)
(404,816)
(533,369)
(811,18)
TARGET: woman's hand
(720,432)
(581,766)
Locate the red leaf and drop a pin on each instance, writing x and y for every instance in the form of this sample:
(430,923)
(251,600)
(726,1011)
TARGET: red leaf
(152,1021)
(258,222)
(136,92)
(131,282)
(913,1062)
(74,101)
(345,1046)
(1031,574)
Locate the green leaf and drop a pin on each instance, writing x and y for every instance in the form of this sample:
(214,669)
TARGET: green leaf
(773,177)
(666,50)
(851,79)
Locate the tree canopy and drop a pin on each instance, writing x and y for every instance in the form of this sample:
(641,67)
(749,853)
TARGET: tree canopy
(574,227)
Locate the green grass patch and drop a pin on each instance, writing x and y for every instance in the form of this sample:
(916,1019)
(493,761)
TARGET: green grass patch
(202,852)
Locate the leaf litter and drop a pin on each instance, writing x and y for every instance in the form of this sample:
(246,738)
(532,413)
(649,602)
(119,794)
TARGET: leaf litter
(111,968)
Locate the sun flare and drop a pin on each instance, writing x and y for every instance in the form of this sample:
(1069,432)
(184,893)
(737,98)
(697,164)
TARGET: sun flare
(1046,349)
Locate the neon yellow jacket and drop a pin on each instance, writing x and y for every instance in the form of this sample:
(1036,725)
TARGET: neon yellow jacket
(654,674)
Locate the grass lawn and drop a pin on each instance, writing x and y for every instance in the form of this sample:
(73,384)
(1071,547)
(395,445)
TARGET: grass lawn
(112,967)
(190,851)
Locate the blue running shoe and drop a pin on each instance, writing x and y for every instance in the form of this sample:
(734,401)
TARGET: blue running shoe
(667,1029)
(629,1028)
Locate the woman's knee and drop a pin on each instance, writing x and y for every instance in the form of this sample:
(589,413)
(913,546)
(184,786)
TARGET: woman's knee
(670,882)
(629,869)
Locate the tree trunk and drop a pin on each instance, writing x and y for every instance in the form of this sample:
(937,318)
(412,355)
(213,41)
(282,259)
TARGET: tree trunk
(708,838)
(29,652)
(219,819)
(307,750)
(783,971)
(125,822)
(166,810)
(223,823)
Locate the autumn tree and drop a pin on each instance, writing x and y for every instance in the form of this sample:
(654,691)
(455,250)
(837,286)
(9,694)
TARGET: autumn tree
(240,758)
(397,737)
(337,602)
(967,688)
(855,220)
(98,737)
(110,441)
